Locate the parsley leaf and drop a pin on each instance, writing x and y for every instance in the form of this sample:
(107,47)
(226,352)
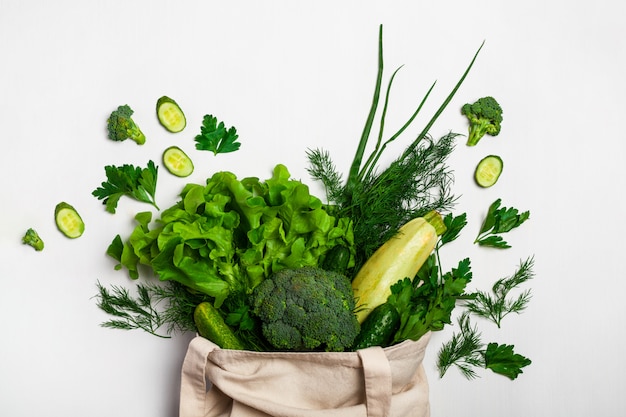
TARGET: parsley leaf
(426,302)
(497,221)
(215,137)
(135,182)
(454,225)
(502,360)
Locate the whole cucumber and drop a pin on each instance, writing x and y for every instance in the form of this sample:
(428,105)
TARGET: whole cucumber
(378,327)
(211,325)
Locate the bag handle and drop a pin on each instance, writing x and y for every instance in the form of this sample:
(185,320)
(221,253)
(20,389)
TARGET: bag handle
(377,373)
(193,386)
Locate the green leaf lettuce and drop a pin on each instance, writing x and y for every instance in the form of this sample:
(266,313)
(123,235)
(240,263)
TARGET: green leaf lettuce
(230,234)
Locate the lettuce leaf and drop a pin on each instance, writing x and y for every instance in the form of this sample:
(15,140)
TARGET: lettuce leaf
(229,235)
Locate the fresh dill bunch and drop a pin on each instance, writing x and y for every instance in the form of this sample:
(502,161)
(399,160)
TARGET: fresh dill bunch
(497,304)
(153,307)
(412,185)
(463,350)
(379,201)
(379,204)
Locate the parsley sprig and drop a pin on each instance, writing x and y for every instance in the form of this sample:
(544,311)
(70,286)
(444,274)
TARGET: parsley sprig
(135,182)
(499,220)
(215,137)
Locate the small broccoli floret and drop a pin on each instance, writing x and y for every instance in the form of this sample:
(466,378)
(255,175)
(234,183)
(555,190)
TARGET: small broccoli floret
(306,309)
(121,126)
(485,118)
(32,238)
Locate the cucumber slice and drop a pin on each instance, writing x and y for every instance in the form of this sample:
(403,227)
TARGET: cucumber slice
(177,162)
(488,170)
(68,220)
(170,115)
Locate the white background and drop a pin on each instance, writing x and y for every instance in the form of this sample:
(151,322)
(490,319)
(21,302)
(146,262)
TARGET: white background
(291,76)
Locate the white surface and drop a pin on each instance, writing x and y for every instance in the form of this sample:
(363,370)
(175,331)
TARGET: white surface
(293,75)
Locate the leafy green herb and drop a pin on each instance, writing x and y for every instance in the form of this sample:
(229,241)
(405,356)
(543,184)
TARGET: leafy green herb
(466,351)
(463,350)
(154,307)
(132,312)
(454,226)
(426,303)
(215,137)
(128,180)
(498,221)
(502,360)
(321,168)
(495,307)
(380,201)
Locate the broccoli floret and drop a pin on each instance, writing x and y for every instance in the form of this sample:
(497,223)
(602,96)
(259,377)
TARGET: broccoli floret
(306,309)
(32,238)
(121,126)
(485,117)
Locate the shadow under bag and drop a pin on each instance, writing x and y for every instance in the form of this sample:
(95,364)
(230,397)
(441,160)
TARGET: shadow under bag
(372,382)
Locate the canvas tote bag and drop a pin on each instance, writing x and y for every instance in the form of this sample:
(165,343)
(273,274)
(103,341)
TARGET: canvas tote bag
(372,382)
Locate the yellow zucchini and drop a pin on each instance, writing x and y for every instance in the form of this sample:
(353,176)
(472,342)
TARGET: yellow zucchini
(398,258)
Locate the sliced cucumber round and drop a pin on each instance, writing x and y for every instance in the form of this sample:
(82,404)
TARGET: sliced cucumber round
(68,220)
(170,115)
(177,162)
(488,170)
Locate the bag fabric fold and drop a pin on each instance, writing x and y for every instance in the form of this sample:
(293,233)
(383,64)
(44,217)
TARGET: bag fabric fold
(372,382)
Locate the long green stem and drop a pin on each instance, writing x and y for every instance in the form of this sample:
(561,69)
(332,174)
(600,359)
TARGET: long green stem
(358,157)
(372,158)
(398,133)
(442,107)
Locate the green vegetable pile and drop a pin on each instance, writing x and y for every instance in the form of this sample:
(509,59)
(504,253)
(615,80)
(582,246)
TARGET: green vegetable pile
(262,264)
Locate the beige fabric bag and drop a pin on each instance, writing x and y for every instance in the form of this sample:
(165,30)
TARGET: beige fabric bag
(372,382)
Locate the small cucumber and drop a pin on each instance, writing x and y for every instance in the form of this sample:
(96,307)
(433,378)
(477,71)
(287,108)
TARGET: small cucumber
(337,259)
(378,327)
(68,220)
(488,170)
(177,162)
(211,325)
(170,115)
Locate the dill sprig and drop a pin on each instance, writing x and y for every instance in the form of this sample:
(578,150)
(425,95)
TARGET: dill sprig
(498,304)
(463,350)
(152,308)
(322,168)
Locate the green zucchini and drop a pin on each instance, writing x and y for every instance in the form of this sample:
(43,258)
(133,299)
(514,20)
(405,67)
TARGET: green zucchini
(170,115)
(68,220)
(337,259)
(488,171)
(378,328)
(211,325)
(177,162)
